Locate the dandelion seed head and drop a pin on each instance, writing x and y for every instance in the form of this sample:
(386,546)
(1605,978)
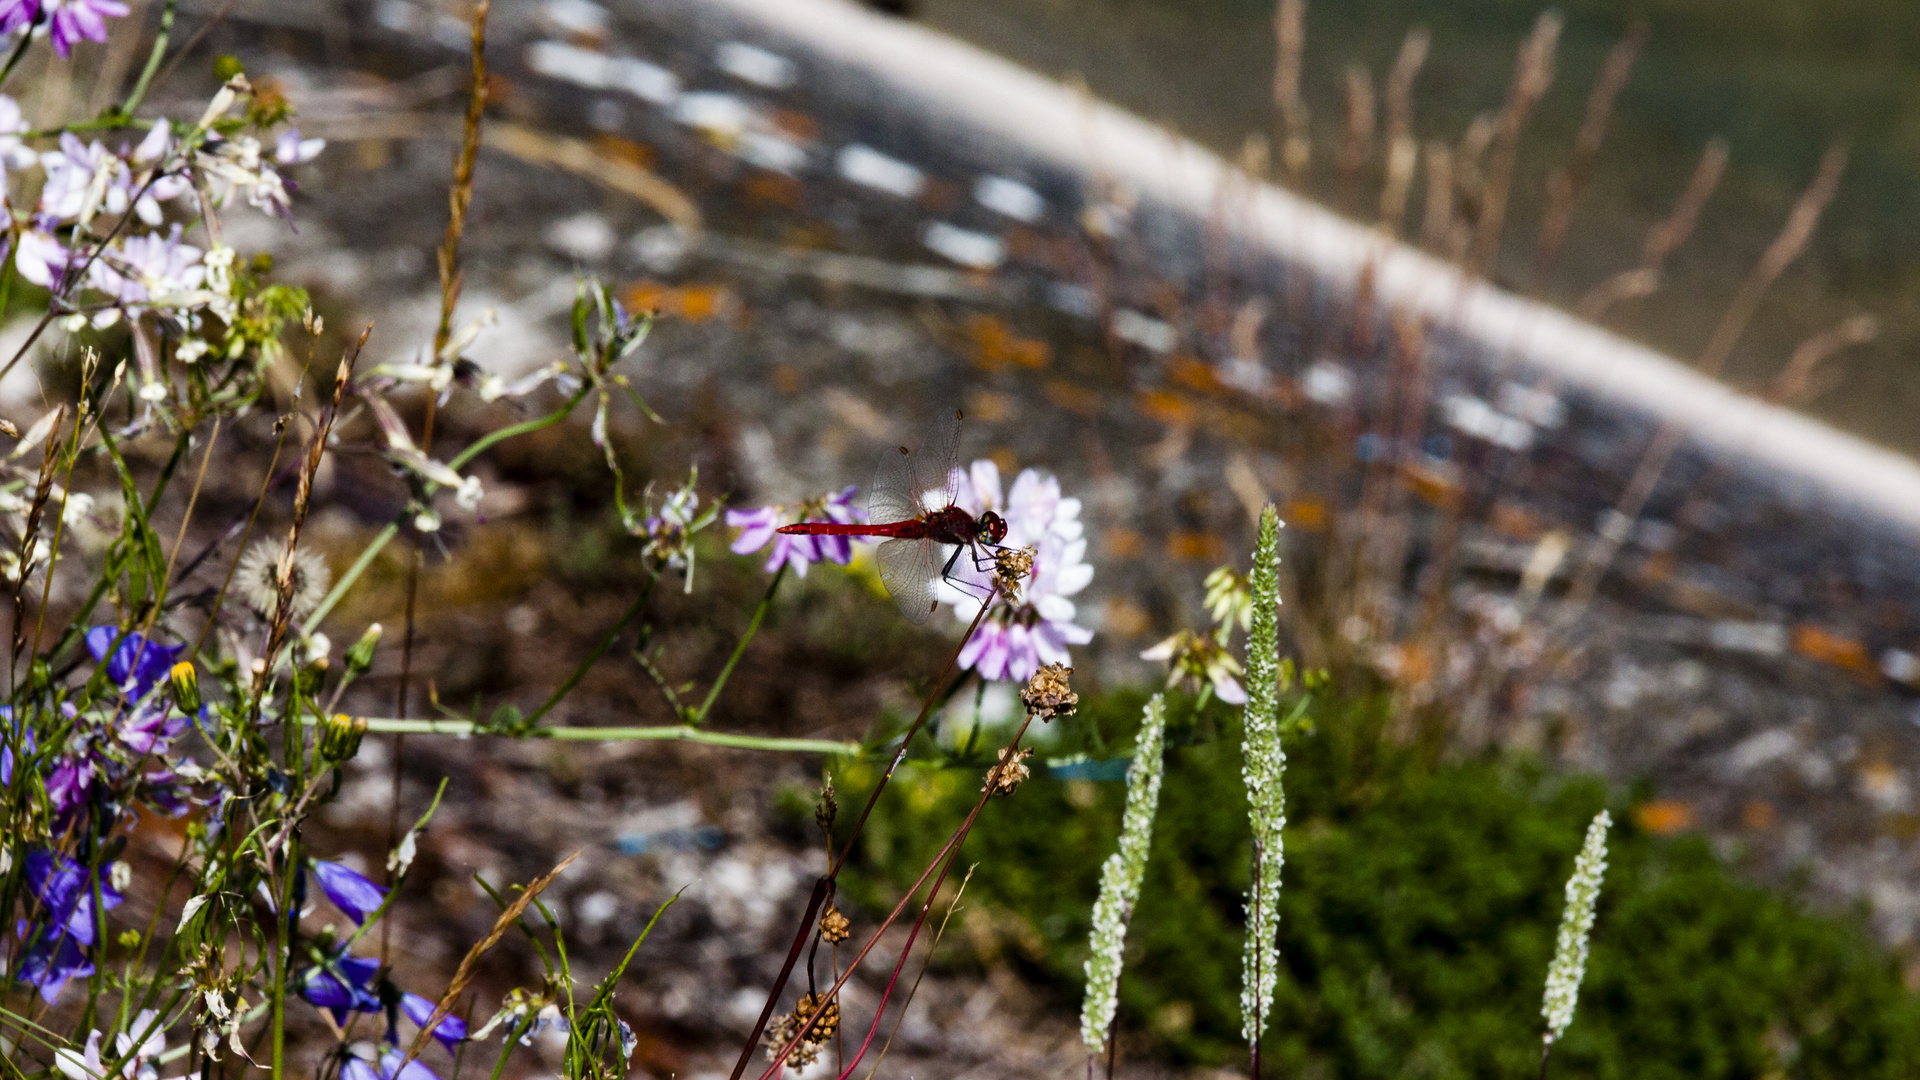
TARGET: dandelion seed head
(257,579)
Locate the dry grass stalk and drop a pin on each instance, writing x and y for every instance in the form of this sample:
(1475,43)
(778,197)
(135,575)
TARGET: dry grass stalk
(1532,75)
(1671,233)
(1567,181)
(1795,383)
(460,194)
(1296,142)
(1357,148)
(464,973)
(1785,249)
(1437,219)
(1403,152)
(1662,239)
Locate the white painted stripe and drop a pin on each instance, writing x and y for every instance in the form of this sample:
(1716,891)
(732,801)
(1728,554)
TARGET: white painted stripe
(1043,118)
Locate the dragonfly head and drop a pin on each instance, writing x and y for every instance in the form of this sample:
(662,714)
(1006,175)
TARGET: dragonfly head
(993,527)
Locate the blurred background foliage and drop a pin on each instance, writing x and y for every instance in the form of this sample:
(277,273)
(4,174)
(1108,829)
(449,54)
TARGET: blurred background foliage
(1421,899)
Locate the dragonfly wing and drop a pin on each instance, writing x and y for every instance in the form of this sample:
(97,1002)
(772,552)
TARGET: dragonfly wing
(907,569)
(895,494)
(939,463)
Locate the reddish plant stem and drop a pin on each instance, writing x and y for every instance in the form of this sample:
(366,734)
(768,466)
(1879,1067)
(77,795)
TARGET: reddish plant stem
(824,887)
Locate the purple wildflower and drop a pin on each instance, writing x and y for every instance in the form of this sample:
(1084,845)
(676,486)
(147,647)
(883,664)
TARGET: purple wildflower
(758,527)
(152,728)
(341,985)
(137,664)
(63,917)
(152,269)
(450,1030)
(1022,633)
(71,781)
(351,893)
(390,1068)
(15,734)
(68,20)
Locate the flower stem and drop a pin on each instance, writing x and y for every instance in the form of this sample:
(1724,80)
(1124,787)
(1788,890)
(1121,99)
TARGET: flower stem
(153,61)
(600,650)
(699,716)
(668,732)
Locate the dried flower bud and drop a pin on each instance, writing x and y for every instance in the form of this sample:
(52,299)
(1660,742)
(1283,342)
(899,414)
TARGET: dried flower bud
(1005,778)
(835,927)
(1011,567)
(340,737)
(1047,694)
(186,687)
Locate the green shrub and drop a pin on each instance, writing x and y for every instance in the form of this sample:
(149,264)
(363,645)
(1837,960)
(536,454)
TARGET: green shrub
(1419,910)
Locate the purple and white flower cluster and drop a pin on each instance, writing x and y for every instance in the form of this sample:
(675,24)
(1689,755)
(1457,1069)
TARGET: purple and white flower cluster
(760,526)
(1024,632)
(67,21)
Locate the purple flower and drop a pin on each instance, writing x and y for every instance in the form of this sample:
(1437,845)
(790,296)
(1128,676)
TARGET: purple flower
(340,985)
(351,893)
(450,1029)
(1022,632)
(390,1068)
(49,962)
(150,269)
(137,664)
(152,728)
(72,781)
(69,20)
(16,734)
(758,527)
(62,920)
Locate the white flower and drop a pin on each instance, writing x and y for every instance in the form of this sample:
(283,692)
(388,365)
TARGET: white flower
(40,258)
(1576,923)
(237,165)
(77,1065)
(14,154)
(291,149)
(81,178)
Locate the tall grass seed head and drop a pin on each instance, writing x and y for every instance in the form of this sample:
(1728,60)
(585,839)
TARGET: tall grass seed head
(1569,965)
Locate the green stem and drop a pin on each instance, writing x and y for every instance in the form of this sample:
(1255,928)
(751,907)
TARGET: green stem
(153,62)
(599,650)
(352,575)
(669,732)
(13,58)
(699,716)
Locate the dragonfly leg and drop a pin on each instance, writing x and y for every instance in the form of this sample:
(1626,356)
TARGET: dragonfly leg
(968,587)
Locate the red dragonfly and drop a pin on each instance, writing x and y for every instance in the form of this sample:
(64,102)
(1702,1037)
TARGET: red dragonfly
(913,508)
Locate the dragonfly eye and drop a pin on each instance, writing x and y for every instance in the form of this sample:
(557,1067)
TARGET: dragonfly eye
(995,526)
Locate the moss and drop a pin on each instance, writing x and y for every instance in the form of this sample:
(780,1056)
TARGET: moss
(1419,910)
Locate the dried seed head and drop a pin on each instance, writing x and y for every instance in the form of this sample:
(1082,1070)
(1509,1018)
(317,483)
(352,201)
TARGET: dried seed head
(1005,778)
(807,1051)
(1047,694)
(834,927)
(257,579)
(1010,567)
